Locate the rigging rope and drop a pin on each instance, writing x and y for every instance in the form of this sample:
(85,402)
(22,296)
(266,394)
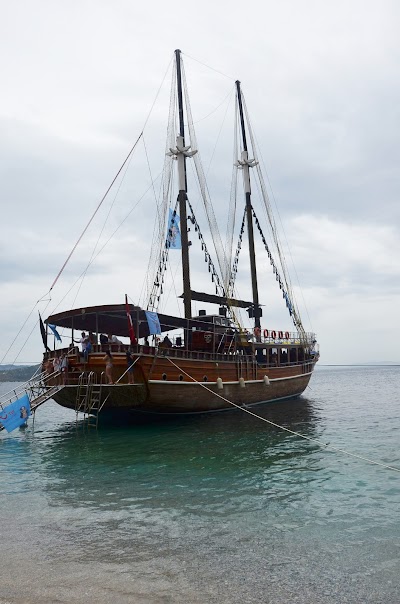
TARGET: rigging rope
(29,335)
(105,244)
(161,223)
(219,248)
(156,257)
(276,210)
(267,206)
(173,286)
(234,269)
(20,330)
(215,109)
(208,67)
(224,267)
(286,295)
(309,438)
(162,252)
(114,179)
(72,251)
(95,212)
(102,230)
(230,227)
(207,257)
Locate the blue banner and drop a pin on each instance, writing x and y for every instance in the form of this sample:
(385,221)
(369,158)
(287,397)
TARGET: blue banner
(153,322)
(16,414)
(174,234)
(54,330)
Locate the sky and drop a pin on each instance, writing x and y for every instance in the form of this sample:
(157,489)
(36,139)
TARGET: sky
(321,83)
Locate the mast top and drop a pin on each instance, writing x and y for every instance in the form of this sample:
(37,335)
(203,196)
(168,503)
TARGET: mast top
(243,128)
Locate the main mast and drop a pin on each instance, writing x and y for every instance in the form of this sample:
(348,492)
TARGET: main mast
(246,164)
(182,195)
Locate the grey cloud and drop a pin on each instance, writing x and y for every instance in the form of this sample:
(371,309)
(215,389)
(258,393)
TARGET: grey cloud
(321,87)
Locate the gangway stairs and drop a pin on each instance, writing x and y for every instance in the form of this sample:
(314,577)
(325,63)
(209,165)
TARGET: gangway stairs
(42,398)
(39,389)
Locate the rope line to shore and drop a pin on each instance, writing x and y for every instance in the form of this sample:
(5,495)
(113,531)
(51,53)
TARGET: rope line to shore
(315,440)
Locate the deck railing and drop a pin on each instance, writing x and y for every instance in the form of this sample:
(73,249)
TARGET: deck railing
(283,359)
(38,384)
(272,351)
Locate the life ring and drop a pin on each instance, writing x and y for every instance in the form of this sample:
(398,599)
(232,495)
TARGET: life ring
(273,334)
(287,335)
(280,335)
(266,333)
(257,331)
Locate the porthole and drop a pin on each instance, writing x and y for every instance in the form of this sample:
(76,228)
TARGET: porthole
(164,376)
(181,378)
(205,378)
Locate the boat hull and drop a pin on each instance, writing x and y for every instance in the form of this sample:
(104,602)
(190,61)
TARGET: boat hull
(161,397)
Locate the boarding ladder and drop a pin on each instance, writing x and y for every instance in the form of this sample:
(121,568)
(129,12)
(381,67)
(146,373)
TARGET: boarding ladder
(39,388)
(89,398)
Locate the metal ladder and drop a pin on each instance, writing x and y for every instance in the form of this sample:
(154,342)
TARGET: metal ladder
(81,393)
(95,404)
(89,398)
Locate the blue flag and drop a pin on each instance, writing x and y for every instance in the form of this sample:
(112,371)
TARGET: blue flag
(174,234)
(16,414)
(54,330)
(153,322)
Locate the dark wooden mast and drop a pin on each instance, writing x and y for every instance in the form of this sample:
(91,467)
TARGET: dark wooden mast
(182,197)
(255,312)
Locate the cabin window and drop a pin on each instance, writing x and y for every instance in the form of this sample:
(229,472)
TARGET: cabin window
(181,378)
(164,376)
(205,378)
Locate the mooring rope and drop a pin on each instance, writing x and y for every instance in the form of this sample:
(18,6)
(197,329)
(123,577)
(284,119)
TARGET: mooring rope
(126,371)
(316,440)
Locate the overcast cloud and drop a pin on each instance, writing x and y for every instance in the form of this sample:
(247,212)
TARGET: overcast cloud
(322,87)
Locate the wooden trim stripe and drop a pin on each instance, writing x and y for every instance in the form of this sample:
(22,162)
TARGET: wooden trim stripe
(193,382)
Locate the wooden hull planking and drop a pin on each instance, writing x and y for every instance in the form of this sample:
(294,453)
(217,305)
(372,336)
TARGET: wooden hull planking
(163,387)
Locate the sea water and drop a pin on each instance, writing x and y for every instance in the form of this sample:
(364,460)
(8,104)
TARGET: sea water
(209,508)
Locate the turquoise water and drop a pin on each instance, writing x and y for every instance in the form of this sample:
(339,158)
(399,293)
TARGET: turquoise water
(219,508)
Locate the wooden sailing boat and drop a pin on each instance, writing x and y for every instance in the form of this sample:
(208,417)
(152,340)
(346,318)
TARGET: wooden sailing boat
(214,360)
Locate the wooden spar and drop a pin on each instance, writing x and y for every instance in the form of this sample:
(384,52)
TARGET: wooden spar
(246,177)
(182,196)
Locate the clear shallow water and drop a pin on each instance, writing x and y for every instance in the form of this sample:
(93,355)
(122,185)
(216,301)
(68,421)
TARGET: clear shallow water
(219,508)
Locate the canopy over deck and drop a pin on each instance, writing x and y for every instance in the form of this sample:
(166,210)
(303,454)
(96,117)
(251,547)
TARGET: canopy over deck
(112,319)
